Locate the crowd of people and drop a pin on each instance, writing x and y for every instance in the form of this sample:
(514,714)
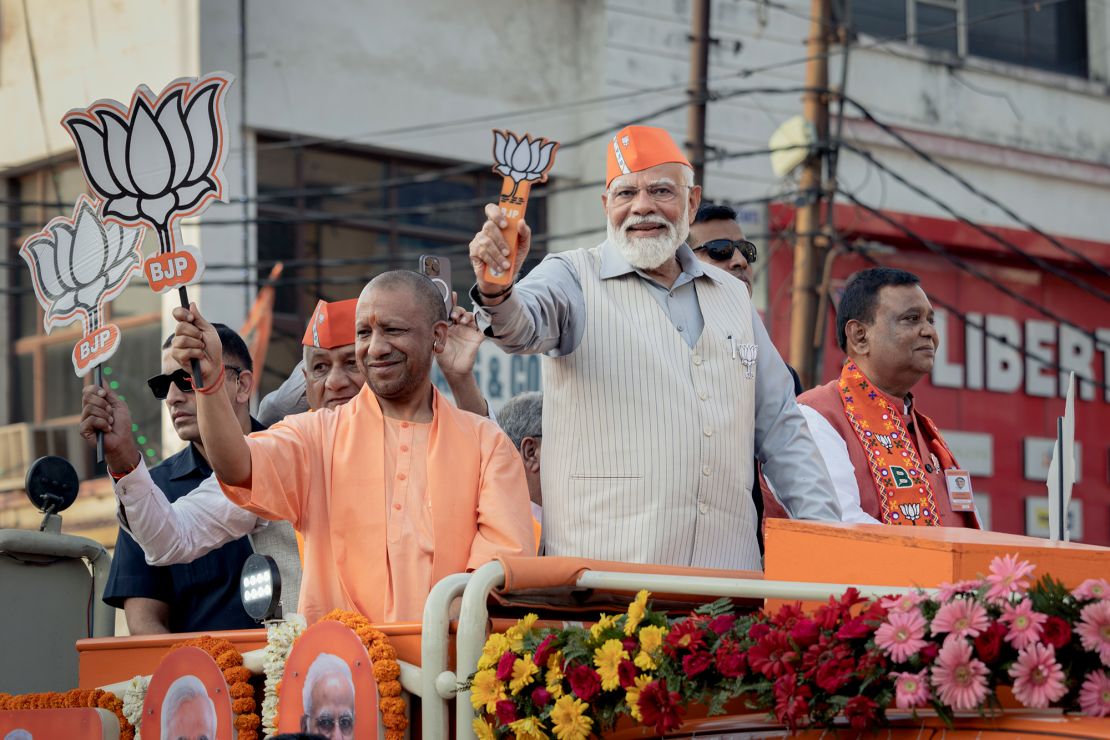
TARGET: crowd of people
(668,428)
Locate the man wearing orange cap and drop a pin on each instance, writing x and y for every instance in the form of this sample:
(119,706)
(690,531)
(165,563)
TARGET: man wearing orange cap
(660,381)
(392,491)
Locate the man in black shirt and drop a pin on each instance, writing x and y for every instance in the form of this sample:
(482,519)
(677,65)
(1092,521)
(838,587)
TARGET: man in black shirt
(204,594)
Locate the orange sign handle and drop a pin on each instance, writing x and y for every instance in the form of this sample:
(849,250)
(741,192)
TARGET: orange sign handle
(513,202)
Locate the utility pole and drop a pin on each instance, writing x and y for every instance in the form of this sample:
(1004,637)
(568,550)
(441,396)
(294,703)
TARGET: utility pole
(809,221)
(699,88)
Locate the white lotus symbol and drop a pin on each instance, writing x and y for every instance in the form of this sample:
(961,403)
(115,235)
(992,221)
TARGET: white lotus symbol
(160,157)
(885,441)
(79,263)
(911,511)
(522,157)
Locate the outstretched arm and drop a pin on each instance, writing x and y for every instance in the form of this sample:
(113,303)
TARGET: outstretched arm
(457,359)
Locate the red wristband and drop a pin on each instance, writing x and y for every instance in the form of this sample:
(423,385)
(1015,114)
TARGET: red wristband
(117,477)
(214,386)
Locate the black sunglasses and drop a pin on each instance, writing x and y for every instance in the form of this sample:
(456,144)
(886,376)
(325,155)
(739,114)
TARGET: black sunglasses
(721,249)
(160,384)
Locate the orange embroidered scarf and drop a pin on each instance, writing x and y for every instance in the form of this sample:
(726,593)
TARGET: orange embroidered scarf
(905,496)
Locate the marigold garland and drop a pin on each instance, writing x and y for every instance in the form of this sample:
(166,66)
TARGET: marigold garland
(74,699)
(230,662)
(386,669)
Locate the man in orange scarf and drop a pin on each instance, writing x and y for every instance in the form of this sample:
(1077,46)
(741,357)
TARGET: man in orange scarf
(888,461)
(406,489)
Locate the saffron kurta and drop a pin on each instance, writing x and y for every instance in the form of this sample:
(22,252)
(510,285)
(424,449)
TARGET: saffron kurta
(329,473)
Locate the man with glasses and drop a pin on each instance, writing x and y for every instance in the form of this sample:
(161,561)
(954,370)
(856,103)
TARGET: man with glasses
(660,381)
(328,698)
(716,238)
(204,594)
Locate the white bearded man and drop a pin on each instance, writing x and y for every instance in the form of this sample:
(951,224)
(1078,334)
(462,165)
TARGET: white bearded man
(660,381)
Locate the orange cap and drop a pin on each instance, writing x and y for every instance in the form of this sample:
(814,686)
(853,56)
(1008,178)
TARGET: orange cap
(332,325)
(637,148)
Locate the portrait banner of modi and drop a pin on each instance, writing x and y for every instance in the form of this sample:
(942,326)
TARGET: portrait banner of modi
(187,698)
(329,687)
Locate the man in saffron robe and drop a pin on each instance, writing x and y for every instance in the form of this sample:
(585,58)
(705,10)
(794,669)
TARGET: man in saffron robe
(405,488)
(886,458)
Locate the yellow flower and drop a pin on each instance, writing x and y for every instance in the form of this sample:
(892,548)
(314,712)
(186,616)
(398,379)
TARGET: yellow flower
(529,728)
(603,624)
(632,695)
(494,648)
(606,659)
(568,719)
(528,623)
(486,691)
(523,672)
(555,675)
(651,638)
(482,729)
(515,634)
(636,611)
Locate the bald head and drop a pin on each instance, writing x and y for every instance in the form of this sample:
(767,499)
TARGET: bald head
(421,289)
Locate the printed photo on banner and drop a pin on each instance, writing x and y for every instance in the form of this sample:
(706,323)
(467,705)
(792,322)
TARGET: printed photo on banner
(187,698)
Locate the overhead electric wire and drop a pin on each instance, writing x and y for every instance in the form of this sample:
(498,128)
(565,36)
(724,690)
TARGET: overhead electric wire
(980,324)
(1034,259)
(974,271)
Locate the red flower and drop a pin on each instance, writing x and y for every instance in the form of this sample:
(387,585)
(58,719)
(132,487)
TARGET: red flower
(860,711)
(872,661)
(506,712)
(685,635)
(833,674)
(825,650)
(849,599)
(876,612)
(505,666)
(730,660)
(791,701)
(758,631)
(584,681)
(696,663)
(828,615)
(771,656)
(929,653)
(631,644)
(660,708)
(541,696)
(788,614)
(543,651)
(855,629)
(804,633)
(723,623)
(1056,632)
(626,673)
(988,644)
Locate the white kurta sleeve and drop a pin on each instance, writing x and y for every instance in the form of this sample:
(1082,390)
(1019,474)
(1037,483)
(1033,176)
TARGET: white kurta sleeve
(181,532)
(835,454)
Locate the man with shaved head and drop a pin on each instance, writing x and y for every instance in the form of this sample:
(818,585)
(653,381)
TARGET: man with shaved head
(393,490)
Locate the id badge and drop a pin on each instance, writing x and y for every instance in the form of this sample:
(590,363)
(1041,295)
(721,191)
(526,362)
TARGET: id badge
(959,490)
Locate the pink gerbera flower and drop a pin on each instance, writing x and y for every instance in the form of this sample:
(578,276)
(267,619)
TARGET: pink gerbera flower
(1008,576)
(1094,629)
(904,603)
(900,634)
(961,681)
(1038,677)
(949,591)
(911,689)
(960,618)
(1094,696)
(1092,588)
(1024,623)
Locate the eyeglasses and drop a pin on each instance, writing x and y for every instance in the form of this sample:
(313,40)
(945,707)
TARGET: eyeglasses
(660,193)
(325,724)
(160,384)
(721,249)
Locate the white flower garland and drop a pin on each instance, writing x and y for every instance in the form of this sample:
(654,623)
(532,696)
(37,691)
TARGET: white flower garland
(279,641)
(133,697)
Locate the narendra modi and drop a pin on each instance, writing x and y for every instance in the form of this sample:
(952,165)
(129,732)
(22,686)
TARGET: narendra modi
(660,382)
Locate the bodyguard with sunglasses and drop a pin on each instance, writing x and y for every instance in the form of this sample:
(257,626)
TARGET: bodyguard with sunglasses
(716,238)
(204,594)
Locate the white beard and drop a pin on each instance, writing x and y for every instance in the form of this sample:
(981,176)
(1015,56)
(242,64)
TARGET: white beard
(648,253)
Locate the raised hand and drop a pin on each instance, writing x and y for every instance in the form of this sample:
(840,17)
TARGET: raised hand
(196,339)
(460,351)
(488,247)
(102,411)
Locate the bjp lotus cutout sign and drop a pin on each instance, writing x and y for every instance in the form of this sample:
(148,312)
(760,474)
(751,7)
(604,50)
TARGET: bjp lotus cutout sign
(523,160)
(156,161)
(79,264)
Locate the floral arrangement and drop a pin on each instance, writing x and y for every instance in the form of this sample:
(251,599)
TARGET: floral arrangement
(851,659)
(133,697)
(75,699)
(280,636)
(230,662)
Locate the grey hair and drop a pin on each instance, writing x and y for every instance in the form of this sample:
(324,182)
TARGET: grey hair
(185,689)
(522,416)
(325,665)
(19,734)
